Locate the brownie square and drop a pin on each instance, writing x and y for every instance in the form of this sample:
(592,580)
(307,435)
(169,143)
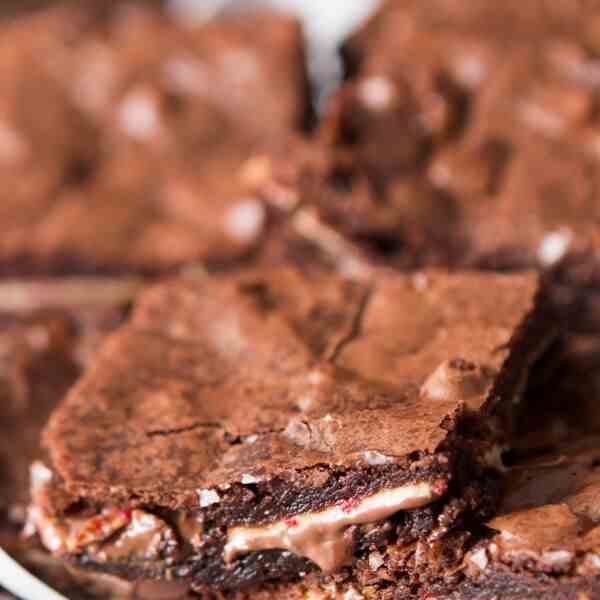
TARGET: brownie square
(124,133)
(132,219)
(464,137)
(454,95)
(253,428)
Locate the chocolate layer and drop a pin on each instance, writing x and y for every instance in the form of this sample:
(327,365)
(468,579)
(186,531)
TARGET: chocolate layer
(242,416)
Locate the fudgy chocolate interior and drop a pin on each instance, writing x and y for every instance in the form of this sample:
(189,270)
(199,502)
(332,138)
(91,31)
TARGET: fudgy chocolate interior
(202,563)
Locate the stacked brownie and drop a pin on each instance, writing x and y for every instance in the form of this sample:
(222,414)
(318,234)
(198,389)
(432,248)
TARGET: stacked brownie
(259,427)
(363,364)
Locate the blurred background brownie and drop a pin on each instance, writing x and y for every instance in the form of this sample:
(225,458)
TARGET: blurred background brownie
(122,132)
(465,135)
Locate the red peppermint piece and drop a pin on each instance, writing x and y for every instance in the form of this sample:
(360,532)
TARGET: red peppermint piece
(97,523)
(348,504)
(125,513)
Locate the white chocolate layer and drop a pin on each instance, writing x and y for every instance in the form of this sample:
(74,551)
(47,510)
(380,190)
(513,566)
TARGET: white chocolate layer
(322,536)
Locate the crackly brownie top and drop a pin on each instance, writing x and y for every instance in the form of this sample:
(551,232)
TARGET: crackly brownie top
(238,378)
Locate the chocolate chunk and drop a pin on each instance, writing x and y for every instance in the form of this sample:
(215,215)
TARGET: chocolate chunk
(278,420)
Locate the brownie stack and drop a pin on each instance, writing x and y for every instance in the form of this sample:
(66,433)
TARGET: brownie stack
(245,359)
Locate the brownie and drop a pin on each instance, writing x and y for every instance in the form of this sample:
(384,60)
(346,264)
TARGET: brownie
(124,133)
(259,426)
(142,77)
(545,541)
(457,123)
(48,332)
(128,219)
(44,140)
(511,20)
(403,223)
(169,87)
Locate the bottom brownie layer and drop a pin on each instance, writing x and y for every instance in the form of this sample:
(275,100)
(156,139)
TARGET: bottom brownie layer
(405,551)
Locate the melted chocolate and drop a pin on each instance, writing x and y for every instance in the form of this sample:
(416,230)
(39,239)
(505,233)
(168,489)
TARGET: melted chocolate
(324,537)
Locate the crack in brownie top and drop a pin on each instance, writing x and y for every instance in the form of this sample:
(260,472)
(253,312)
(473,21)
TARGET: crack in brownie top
(259,375)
